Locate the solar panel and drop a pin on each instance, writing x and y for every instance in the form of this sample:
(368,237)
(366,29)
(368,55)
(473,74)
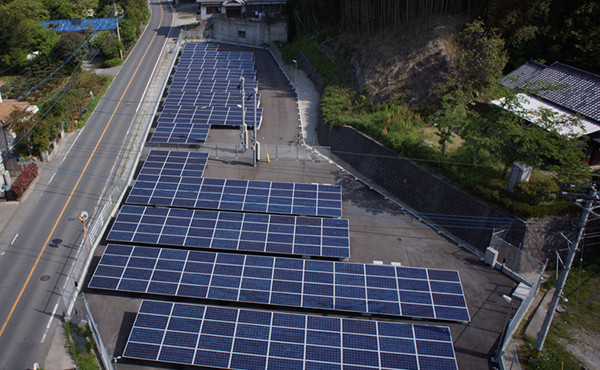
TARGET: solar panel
(215,54)
(214,73)
(207,86)
(317,284)
(163,166)
(215,115)
(215,63)
(236,338)
(239,195)
(193,47)
(308,236)
(185,98)
(180,133)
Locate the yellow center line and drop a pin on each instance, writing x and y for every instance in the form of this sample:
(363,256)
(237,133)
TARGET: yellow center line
(14,306)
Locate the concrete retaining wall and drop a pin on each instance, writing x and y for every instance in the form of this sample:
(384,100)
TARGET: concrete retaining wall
(421,189)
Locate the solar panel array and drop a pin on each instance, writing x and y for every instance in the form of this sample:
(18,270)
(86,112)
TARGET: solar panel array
(173,167)
(188,56)
(214,73)
(239,195)
(266,233)
(259,217)
(180,133)
(193,47)
(307,283)
(198,65)
(208,86)
(186,98)
(235,338)
(218,115)
(203,70)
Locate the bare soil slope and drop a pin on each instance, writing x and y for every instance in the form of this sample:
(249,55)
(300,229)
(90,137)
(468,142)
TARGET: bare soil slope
(409,63)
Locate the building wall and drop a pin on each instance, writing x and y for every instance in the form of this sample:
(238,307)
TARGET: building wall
(246,32)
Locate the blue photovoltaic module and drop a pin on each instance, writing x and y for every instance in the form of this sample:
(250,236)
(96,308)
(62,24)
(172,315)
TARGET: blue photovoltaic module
(233,338)
(264,233)
(316,284)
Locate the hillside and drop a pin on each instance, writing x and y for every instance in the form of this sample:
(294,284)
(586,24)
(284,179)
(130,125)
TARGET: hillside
(407,64)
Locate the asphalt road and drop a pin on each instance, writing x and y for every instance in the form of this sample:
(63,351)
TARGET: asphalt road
(37,245)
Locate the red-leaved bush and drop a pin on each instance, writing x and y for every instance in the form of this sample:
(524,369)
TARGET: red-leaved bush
(25,179)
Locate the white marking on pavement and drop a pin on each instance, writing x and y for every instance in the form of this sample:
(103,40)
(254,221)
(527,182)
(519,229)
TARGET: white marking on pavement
(15,238)
(49,322)
(52,178)
(74,141)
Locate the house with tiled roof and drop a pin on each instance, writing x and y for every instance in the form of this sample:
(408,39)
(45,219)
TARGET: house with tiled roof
(565,93)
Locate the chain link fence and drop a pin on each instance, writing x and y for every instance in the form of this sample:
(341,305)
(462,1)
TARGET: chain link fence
(530,270)
(122,173)
(514,259)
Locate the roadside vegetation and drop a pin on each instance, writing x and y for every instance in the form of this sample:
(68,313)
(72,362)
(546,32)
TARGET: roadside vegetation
(45,68)
(571,329)
(81,346)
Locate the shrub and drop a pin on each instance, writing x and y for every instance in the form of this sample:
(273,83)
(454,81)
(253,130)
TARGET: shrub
(536,191)
(25,179)
(109,63)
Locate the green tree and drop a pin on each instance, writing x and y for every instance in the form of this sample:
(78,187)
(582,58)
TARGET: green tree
(60,9)
(108,44)
(480,60)
(449,117)
(20,34)
(68,44)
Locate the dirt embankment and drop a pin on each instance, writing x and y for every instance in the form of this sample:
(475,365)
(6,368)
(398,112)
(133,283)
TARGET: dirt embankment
(409,63)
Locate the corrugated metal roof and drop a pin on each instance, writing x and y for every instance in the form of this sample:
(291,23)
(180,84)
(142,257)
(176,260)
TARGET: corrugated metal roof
(81,25)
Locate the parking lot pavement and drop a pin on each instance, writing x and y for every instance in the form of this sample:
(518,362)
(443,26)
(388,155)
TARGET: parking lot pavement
(379,230)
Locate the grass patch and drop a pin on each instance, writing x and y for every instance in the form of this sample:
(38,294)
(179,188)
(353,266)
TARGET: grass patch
(94,102)
(581,317)
(81,346)
(553,356)
(331,66)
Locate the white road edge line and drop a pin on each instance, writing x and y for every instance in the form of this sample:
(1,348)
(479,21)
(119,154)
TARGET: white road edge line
(154,69)
(74,141)
(49,322)
(15,238)
(52,178)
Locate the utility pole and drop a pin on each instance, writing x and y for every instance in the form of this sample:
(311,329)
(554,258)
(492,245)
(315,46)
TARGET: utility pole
(254,143)
(590,197)
(244,132)
(118,32)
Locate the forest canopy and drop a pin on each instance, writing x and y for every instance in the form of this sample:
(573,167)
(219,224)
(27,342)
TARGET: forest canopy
(544,30)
